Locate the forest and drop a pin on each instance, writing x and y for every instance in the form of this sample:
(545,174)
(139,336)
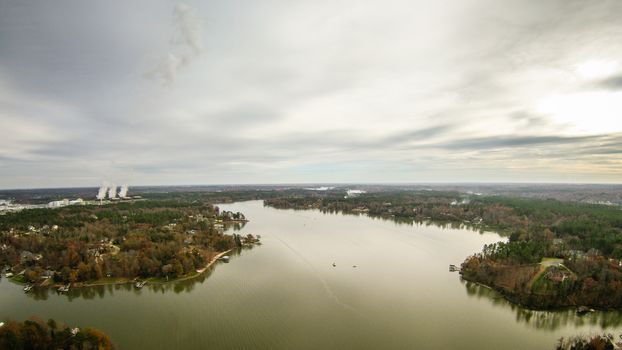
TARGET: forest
(161,238)
(36,334)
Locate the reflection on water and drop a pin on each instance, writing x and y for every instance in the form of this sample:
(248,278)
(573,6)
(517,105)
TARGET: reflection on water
(235,226)
(545,320)
(408,221)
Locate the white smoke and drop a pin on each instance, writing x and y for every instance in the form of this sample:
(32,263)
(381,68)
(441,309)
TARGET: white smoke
(186,43)
(123,191)
(188,28)
(354,193)
(112,191)
(101,194)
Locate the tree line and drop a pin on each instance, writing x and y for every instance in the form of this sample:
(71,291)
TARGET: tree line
(36,334)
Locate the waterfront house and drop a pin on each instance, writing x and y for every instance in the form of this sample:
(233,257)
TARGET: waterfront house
(47,274)
(26,256)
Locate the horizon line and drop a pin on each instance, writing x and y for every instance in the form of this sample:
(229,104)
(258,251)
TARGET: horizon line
(437,183)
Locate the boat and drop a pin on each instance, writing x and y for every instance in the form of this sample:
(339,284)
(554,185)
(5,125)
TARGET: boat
(64,289)
(28,288)
(140,284)
(225,258)
(8,275)
(583,310)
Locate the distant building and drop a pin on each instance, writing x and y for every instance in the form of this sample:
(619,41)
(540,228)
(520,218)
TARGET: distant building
(78,201)
(58,204)
(593,252)
(574,254)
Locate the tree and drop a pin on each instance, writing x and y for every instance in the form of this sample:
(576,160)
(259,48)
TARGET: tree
(167,269)
(97,271)
(84,271)
(178,267)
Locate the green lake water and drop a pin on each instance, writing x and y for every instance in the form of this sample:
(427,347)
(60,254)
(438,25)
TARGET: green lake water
(285,294)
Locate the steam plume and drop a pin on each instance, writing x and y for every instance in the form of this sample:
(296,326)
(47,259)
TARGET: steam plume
(123,191)
(101,194)
(112,191)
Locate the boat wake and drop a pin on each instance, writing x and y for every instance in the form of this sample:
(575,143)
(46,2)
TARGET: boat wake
(329,291)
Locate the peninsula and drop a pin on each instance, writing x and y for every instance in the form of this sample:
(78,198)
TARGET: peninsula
(158,240)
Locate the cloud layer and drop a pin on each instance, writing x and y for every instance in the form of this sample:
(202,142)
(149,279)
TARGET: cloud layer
(277,91)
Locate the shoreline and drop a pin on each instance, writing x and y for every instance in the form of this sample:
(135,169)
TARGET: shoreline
(196,274)
(514,301)
(123,280)
(213,261)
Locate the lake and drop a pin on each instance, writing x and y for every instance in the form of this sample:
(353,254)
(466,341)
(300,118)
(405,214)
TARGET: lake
(286,294)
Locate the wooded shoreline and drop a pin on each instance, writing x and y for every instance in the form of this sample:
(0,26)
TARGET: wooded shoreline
(121,281)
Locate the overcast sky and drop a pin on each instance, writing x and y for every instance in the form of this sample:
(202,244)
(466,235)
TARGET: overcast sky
(281,91)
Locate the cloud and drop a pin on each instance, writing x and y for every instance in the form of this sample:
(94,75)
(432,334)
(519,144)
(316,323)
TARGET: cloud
(512,142)
(613,83)
(420,134)
(186,44)
(306,91)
